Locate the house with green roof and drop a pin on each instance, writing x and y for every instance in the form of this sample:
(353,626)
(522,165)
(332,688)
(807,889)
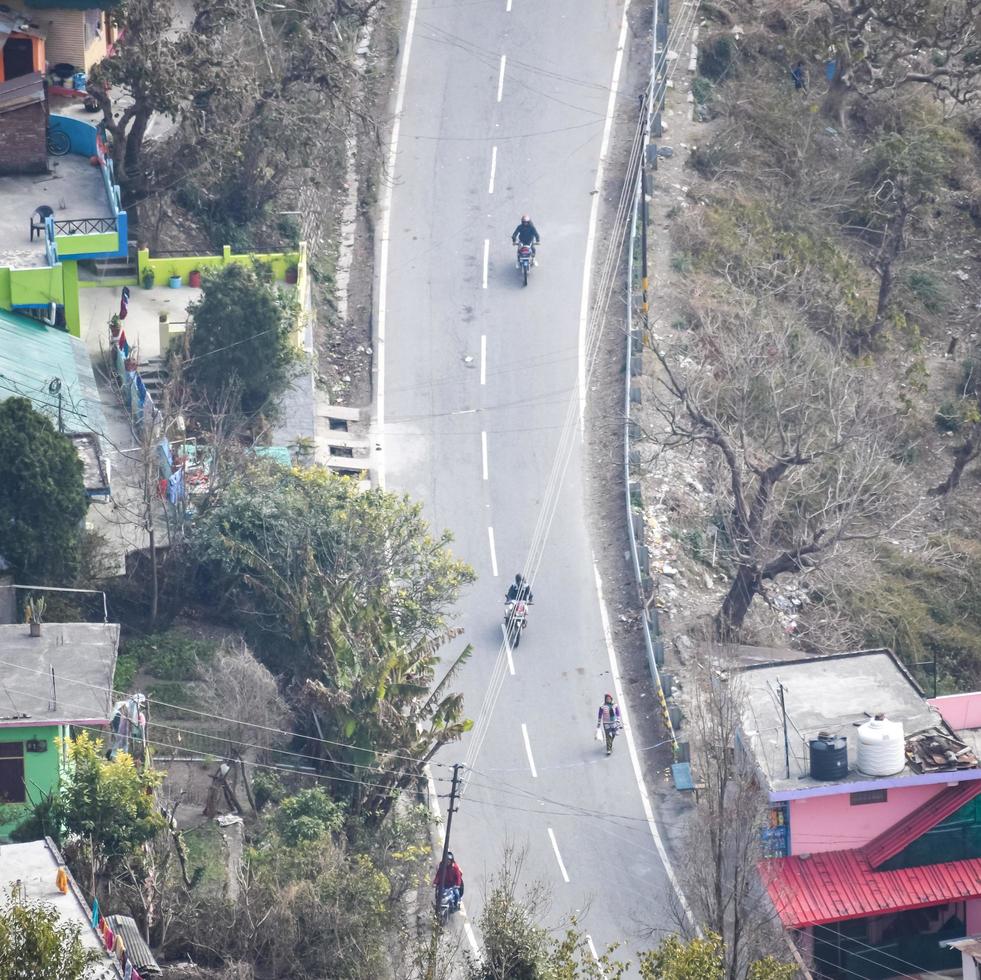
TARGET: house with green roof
(54,371)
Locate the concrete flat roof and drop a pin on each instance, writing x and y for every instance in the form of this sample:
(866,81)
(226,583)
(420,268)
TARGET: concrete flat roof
(73,189)
(831,694)
(83,658)
(35,865)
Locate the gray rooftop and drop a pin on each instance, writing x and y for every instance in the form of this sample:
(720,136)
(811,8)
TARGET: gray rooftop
(83,658)
(35,865)
(825,694)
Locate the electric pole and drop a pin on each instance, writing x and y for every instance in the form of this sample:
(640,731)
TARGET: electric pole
(449,823)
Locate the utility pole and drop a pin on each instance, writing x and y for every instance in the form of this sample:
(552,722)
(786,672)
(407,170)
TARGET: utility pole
(449,823)
(786,741)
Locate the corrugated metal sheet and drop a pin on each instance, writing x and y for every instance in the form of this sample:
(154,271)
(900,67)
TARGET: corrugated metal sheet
(137,950)
(890,842)
(838,885)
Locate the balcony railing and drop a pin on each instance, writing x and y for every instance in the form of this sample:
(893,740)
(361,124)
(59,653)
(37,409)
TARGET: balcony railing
(84,226)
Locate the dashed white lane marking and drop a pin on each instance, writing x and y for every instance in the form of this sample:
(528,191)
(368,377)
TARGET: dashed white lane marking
(490,185)
(500,78)
(592,947)
(483,358)
(632,748)
(593,212)
(508,7)
(507,649)
(483,452)
(434,802)
(493,551)
(558,856)
(385,232)
(486,260)
(531,760)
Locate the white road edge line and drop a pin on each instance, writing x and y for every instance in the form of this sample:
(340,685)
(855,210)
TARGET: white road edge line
(593,213)
(493,551)
(500,78)
(483,358)
(486,260)
(483,452)
(531,760)
(490,185)
(507,649)
(592,947)
(632,748)
(507,9)
(385,233)
(558,857)
(434,800)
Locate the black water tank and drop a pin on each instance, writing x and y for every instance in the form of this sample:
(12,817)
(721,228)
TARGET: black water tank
(829,756)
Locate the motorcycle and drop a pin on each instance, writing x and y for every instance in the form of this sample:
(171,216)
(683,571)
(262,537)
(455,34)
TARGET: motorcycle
(526,259)
(448,904)
(515,620)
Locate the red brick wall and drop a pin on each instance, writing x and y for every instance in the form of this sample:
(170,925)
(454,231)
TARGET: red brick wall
(23,141)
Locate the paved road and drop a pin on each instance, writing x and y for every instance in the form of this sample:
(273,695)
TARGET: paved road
(505,103)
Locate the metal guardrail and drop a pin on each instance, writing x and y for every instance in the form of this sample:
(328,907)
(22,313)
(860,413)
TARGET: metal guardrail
(635,338)
(84,226)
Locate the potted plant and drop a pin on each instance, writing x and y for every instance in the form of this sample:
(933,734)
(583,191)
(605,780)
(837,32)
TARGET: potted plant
(35,614)
(115,325)
(149,279)
(291,274)
(175,281)
(194,279)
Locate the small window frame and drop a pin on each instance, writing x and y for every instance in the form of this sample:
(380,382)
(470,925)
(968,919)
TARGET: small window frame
(868,797)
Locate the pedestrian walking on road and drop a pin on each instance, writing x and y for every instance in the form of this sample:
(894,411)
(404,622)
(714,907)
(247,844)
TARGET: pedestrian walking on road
(608,718)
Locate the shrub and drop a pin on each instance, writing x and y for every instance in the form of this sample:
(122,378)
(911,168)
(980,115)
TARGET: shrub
(717,56)
(948,417)
(701,89)
(927,289)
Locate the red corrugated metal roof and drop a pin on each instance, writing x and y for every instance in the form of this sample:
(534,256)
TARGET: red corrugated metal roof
(837,885)
(890,842)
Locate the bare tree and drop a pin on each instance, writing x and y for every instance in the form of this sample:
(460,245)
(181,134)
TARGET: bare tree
(722,881)
(236,686)
(877,45)
(803,446)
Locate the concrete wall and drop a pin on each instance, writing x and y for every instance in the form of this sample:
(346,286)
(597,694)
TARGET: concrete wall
(70,35)
(24,141)
(973,917)
(832,823)
(960,710)
(183,265)
(41,769)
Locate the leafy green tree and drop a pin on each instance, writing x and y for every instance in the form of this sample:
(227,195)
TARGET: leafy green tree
(240,338)
(42,496)
(308,816)
(703,958)
(104,811)
(36,943)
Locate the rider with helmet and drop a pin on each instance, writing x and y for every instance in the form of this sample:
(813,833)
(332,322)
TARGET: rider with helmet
(519,591)
(449,875)
(527,234)
(608,718)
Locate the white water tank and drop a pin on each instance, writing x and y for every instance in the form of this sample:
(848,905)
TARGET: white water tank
(881,747)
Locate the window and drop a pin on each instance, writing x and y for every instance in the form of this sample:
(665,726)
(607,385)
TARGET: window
(869,796)
(12,772)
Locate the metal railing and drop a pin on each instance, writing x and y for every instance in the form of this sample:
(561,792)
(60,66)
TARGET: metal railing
(84,226)
(635,337)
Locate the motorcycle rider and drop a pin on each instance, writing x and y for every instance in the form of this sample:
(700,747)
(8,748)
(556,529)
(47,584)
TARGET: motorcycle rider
(449,875)
(527,234)
(519,591)
(609,718)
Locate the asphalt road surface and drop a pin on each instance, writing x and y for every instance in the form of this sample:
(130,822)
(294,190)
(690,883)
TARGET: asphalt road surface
(505,105)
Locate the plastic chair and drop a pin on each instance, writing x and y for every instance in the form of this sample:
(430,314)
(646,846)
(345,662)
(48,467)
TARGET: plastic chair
(42,214)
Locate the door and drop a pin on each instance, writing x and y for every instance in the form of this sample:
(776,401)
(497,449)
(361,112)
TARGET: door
(18,57)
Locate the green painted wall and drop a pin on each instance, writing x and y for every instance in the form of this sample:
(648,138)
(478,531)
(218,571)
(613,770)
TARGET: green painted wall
(73,318)
(41,769)
(36,287)
(94,243)
(164,268)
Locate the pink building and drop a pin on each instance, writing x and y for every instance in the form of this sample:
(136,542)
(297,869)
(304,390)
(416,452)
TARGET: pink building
(873,838)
